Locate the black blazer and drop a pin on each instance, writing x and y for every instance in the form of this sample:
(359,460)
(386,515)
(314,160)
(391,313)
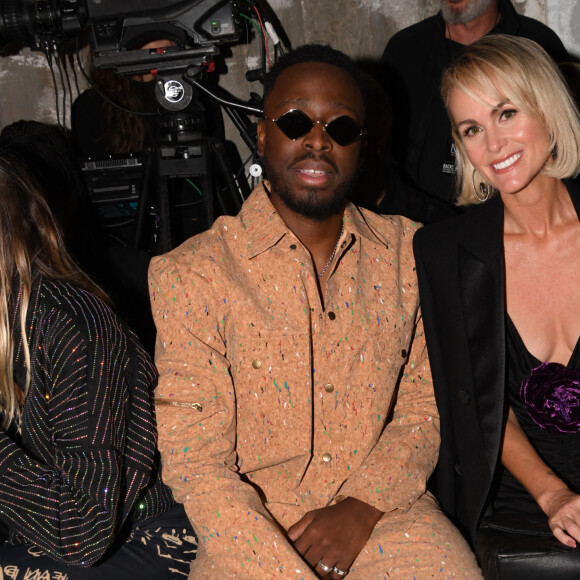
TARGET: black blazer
(460,267)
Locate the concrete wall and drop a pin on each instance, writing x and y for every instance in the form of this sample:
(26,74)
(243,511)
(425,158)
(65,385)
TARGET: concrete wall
(361,28)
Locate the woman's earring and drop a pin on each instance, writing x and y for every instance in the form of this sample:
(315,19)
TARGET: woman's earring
(484,189)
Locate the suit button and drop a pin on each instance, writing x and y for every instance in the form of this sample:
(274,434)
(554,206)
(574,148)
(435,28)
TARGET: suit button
(458,470)
(292,246)
(331,315)
(257,364)
(329,388)
(464,397)
(326,457)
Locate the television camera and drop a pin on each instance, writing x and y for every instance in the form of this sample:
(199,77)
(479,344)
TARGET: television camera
(116,32)
(113,26)
(116,29)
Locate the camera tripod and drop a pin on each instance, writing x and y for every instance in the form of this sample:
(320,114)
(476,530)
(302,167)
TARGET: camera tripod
(184,153)
(193,181)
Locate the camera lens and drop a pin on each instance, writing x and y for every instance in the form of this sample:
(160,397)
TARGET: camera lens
(12,27)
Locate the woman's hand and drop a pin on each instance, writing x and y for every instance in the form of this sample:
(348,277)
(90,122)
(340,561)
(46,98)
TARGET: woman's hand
(561,505)
(563,509)
(331,538)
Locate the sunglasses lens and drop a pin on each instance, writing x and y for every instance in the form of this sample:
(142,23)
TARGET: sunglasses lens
(295,124)
(344,130)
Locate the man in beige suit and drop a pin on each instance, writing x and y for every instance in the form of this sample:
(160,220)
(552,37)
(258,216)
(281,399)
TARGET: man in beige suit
(296,416)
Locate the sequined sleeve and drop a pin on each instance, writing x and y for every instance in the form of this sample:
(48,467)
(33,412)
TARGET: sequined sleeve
(88,438)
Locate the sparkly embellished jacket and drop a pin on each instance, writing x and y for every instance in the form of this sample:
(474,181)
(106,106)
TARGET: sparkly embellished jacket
(85,462)
(271,404)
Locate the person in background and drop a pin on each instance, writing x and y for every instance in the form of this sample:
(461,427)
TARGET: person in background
(571,72)
(296,416)
(371,185)
(81,494)
(498,289)
(101,128)
(378,185)
(411,68)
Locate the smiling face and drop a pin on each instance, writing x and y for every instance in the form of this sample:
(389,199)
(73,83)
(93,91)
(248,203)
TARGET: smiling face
(312,175)
(507,147)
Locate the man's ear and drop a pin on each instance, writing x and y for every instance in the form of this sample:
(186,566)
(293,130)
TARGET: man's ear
(261,132)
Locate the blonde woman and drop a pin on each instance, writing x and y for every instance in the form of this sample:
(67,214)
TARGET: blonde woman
(81,495)
(499,293)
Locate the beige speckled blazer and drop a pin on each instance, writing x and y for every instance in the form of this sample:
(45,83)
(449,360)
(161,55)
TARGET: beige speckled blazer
(271,405)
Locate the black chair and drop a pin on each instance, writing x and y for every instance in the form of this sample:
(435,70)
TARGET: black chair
(516,548)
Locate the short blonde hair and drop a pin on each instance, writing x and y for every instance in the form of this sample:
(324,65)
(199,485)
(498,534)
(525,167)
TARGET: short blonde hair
(518,70)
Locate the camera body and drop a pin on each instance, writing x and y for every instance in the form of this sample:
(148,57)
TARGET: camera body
(115,28)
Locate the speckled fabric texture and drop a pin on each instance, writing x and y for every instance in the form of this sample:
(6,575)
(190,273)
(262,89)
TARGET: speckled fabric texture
(269,404)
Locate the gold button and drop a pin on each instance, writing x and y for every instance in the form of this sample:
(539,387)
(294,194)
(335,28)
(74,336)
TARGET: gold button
(257,364)
(329,388)
(326,457)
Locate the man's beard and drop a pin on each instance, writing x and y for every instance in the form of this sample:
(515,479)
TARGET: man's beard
(311,205)
(473,10)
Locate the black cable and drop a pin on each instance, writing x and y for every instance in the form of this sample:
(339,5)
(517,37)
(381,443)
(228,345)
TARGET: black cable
(48,54)
(217,148)
(270,16)
(73,68)
(59,66)
(67,62)
(264,45)
(144,196)
(242,170)
(222,101)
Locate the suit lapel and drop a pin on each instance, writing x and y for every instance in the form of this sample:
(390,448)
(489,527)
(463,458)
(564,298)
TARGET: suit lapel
(482,287)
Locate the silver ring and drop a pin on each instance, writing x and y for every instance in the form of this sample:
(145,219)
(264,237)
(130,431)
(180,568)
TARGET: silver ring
(324,567)
(339,572)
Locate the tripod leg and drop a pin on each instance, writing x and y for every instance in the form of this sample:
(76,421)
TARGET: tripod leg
(165,238)
(219,155)
(143,199)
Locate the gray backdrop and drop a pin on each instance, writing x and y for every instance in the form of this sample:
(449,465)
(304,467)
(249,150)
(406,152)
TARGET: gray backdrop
(360,28)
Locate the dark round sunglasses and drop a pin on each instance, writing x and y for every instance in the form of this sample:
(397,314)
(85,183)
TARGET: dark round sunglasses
(296,124)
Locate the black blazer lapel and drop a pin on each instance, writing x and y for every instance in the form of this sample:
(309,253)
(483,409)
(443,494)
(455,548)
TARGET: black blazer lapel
(482,288)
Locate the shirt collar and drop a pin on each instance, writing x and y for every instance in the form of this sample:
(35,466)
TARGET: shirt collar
(265,228)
